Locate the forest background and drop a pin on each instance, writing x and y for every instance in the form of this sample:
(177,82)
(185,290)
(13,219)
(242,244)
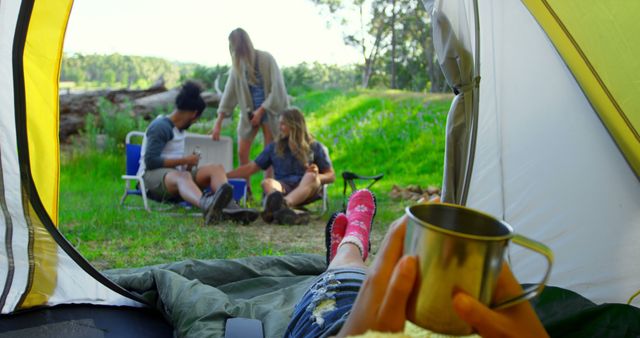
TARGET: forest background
(393,39)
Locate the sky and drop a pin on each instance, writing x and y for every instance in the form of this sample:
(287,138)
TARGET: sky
(294,31)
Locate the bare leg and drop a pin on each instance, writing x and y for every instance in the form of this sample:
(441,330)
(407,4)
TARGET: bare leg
(181,183)
(308,186)
(270,185)
(211,175)
(268,138)
(348,256)
(244,147)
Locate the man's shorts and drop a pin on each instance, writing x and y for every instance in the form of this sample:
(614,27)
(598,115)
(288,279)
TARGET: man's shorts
(326,305)
(156,189)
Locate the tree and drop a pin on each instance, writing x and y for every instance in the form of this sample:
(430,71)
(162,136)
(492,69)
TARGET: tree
(109,77)
(116,69)
(393,44)
(394,38)
(368,35)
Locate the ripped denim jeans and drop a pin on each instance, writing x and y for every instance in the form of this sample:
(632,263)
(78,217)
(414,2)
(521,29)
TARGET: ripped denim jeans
(325,306)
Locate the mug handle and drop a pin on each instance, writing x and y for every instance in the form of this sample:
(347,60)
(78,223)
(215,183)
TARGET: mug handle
(535,289)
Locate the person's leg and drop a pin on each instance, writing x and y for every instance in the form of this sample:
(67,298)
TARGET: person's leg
(354,246)
(273,200)
(308,187)
(244,146)
(279,201)
(270,185)
(325,307)
(334,233)
(268,138)
(181,183)
(244,149)
(347,256)
(361,210)
(211,175)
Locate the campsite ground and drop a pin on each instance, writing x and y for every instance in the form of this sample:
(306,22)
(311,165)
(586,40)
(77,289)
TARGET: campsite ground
(400,134)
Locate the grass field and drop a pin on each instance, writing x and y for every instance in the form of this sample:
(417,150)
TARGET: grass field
(400,134)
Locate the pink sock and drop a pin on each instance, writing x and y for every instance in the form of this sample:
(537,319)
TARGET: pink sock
(360,212)
(337,234)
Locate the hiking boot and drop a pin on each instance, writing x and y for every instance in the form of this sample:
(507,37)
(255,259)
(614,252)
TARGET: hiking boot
(237,214)
(291,216)
(274,202)
(212,204)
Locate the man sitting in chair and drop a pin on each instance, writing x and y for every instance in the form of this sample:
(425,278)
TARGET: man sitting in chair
(300,165)
(171,175)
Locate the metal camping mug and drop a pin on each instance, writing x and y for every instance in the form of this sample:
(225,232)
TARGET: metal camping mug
(459,249)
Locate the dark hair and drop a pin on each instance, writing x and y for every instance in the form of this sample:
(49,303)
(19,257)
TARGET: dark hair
(189,98)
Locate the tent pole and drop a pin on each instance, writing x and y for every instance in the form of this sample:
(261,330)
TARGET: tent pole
(475,106)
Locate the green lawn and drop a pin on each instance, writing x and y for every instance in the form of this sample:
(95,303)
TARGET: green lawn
(400,134)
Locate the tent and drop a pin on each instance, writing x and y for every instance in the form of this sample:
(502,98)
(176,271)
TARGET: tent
(39,266)
(542,133)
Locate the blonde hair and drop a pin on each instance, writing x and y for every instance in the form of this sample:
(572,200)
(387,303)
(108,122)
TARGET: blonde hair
(243,54)
(299,140)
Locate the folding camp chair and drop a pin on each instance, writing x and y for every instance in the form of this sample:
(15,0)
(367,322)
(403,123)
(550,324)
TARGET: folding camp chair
(211,152)
(349,179)
(325,195)
(132,153)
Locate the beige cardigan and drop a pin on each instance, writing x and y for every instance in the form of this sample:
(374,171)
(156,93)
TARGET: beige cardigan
(236,93)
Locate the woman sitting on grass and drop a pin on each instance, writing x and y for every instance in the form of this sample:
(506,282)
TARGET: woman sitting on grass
(301,166)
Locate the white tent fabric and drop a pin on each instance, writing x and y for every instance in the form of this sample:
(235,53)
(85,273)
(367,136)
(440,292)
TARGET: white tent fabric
(545,163)
(12,223)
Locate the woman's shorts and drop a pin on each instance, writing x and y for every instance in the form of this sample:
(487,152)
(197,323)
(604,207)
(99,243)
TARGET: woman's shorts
(289,187)
(325,307)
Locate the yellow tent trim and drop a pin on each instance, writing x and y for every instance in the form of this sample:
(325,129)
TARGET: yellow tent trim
(614,117)
(41,60)
(45,257)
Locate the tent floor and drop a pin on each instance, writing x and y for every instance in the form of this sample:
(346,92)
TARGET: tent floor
(85,320)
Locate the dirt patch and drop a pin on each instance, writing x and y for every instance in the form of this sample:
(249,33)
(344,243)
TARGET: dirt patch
(292,239)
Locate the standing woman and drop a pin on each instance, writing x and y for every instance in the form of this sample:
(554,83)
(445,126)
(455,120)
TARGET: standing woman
(255,84)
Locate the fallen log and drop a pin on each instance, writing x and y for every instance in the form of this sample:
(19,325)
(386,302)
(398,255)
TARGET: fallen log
(75,106)
(145,106)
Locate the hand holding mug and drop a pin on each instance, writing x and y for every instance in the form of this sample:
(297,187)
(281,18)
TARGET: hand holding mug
(519,320)
(460,248)
(383,303)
